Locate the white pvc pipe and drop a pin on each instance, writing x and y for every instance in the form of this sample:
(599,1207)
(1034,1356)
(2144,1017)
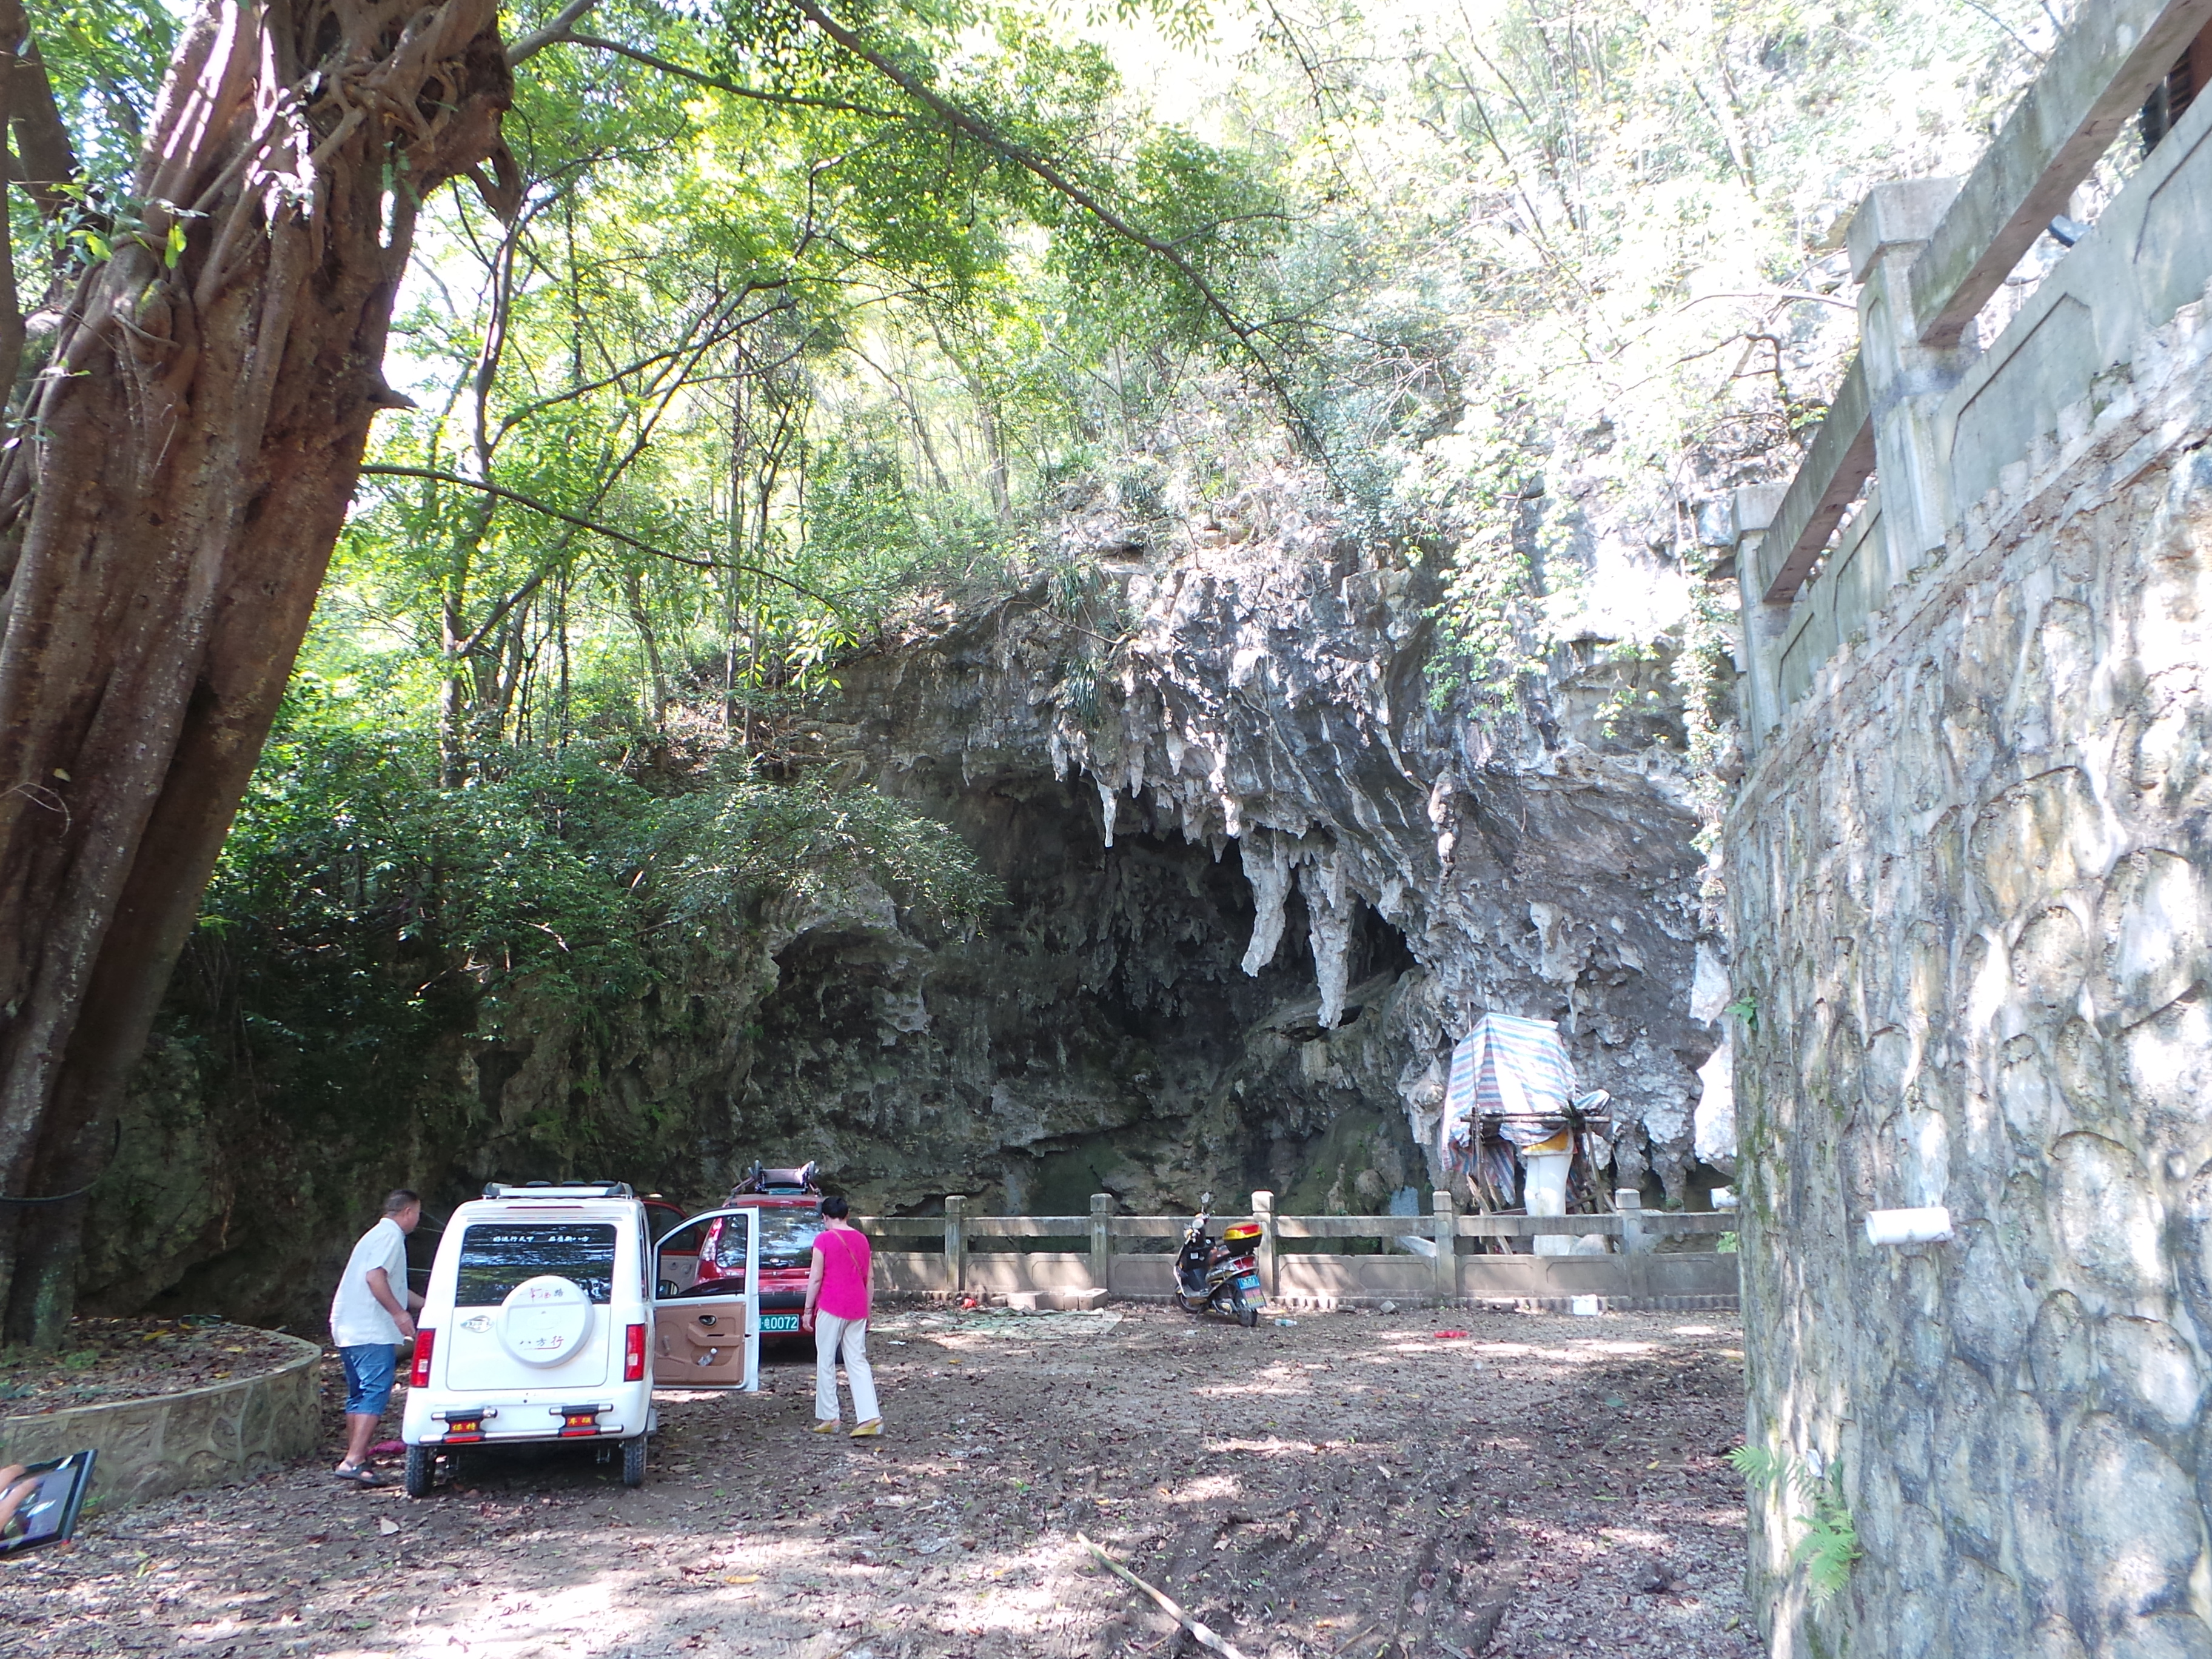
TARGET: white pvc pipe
(1545,1185)
(1923,1226)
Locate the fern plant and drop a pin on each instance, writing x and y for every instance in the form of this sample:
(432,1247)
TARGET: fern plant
(1831,1545)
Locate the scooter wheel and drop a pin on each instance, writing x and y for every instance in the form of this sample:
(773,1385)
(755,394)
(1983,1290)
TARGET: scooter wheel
(1247,1314)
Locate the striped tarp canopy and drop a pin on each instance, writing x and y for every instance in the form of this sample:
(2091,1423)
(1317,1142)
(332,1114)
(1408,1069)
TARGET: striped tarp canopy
(1508,1068)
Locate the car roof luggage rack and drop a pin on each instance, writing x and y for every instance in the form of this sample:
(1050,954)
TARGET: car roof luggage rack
(786,1182)
(558,1189)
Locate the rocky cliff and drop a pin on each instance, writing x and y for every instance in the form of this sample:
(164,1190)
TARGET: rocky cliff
(1255,884)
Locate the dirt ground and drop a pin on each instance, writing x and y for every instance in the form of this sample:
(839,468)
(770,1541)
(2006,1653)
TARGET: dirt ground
(1354,1485)
(105,1360)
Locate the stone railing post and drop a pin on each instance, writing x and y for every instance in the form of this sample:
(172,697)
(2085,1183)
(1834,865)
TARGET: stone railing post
(1907,381)
(1263,1212)
(1102,1241)
(1445,1221)
(1760,662)
(1629,1201)
(956,1242)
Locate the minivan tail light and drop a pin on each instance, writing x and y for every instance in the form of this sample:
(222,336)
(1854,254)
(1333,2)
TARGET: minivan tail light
(418,1374)
(633,1354)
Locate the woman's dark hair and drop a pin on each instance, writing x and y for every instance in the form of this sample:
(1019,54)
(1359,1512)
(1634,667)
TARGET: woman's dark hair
(836,1208)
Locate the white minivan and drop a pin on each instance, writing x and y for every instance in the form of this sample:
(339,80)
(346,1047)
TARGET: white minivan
(538,1326)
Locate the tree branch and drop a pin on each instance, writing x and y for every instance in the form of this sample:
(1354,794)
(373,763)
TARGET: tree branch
(380,471)
(788,100)
(537,40)
(982,133)
(13,32)
(42,142)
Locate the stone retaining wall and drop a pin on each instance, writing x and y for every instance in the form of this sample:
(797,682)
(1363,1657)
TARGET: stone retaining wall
(175,1442)
(1971,880)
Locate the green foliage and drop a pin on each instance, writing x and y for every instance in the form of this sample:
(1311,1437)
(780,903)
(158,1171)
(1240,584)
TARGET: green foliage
(1831,1545)
(106,59)
(1744,1008)
(359,904)
(1562,274)
(1761,1469)
(779,348)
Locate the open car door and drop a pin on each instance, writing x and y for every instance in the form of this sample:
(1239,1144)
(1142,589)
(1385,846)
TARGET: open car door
(679,1264)
(709,1342)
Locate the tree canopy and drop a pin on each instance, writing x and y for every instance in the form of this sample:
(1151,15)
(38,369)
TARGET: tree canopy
(745,335)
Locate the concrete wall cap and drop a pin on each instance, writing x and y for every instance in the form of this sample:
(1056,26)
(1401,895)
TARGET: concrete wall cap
(1903,213)
(1756,506)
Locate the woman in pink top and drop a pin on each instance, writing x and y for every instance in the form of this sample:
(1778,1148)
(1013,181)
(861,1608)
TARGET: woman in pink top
(838,1284)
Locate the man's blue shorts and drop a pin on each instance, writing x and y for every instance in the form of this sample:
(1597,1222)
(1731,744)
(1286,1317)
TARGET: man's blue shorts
(369,1378)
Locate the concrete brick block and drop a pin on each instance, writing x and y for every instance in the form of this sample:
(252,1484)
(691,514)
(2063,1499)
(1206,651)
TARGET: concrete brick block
(1071,1301)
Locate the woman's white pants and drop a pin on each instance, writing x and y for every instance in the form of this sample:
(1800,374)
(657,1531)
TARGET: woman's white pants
(832,1335)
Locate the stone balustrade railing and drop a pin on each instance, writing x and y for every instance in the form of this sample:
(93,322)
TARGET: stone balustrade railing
(1436,1259)
(1937,417)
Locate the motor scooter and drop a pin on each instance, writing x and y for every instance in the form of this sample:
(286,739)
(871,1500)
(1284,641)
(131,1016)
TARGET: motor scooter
(1221,1275)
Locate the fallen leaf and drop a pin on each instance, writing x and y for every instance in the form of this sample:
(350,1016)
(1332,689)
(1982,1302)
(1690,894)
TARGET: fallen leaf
(386,1525)
(741,1578)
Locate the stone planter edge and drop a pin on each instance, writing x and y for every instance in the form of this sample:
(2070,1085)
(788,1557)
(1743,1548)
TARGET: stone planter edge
(197,1438)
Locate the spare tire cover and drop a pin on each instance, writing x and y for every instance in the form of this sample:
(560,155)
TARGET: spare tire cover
(544,1320)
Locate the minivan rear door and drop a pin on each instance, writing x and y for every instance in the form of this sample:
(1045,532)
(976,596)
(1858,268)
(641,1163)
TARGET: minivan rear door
(513,1326)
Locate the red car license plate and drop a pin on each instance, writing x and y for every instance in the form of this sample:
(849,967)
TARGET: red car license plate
(783,1322)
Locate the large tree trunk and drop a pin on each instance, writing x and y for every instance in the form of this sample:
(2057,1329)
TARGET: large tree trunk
(182,472)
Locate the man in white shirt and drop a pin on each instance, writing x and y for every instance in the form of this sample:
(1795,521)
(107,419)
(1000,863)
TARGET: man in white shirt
(369,1318)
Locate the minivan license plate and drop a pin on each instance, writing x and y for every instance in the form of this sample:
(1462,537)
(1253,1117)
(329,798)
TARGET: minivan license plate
(779,1321)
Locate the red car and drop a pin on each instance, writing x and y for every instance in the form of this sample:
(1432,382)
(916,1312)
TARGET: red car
(789,1202)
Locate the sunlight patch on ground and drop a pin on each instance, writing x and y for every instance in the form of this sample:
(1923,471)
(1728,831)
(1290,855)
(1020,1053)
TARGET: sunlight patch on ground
(1271,1447)
(1276,1387)
(1205,1489)
(940,1326)
(1577,1354)
(510,1624)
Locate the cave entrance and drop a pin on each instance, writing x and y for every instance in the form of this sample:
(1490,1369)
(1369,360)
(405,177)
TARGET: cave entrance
(1099,1035)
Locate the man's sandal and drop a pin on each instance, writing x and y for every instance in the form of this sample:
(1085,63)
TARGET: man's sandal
(869,1429)
(359,1475)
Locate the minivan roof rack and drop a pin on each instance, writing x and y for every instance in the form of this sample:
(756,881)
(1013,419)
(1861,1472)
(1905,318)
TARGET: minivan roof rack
(558,1189)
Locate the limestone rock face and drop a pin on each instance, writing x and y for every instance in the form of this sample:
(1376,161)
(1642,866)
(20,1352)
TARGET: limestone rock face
(1256,886)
